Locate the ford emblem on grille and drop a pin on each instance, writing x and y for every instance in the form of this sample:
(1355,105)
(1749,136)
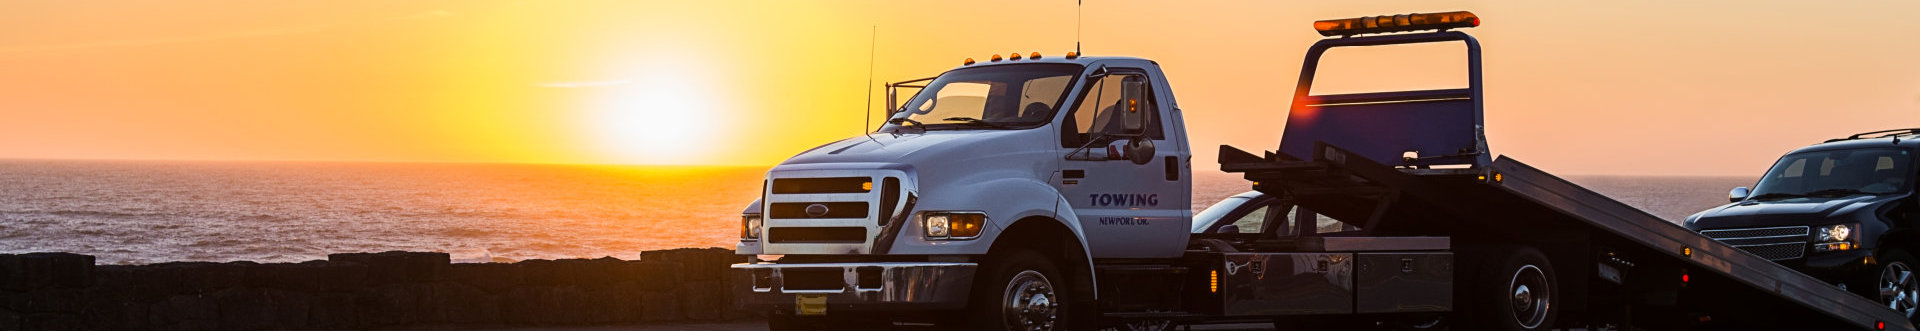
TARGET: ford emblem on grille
(816,210)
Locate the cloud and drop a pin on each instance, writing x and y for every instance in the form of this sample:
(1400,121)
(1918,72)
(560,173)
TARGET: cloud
(581,84)
(255,33)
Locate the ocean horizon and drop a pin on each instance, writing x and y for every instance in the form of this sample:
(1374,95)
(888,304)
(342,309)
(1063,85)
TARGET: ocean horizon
(136,212)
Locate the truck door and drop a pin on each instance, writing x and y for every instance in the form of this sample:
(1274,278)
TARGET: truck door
(1128,210)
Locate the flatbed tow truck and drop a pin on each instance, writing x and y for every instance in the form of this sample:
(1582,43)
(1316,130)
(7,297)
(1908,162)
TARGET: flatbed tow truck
(1432,230)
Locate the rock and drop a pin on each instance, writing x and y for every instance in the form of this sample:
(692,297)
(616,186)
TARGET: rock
(112,309)
(243,308)
(462,304)
(524,305)
(702,300)
(10,320)
(701,263)
(543,273)
(649,275)
(399,267)
(489,277)
(333,311)
(612,304)
(584,272)
(21,272)
(51,300)
(659,307)
(51,322)
(190,312)
(179,278)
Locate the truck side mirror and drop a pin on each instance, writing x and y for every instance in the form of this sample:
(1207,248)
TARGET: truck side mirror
(1133,104)
(1140,149)
(1738,193)
(1229,228)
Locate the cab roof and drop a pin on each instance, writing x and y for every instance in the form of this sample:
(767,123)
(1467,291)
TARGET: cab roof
(1082,60)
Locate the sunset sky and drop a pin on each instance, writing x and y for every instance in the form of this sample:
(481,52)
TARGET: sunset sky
(1604,87)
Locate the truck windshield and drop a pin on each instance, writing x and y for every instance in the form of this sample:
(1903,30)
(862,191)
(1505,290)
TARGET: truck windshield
(993,97)
(1837,173)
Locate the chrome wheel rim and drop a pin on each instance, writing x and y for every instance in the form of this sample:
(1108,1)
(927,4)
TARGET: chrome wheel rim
(1898,289)
(1030,303)
(1532,296)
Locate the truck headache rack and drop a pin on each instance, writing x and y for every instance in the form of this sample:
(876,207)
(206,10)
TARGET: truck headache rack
(1415,128)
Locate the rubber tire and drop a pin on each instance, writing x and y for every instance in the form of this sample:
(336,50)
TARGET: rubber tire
(1492,308)
(1872,278)
(983,308)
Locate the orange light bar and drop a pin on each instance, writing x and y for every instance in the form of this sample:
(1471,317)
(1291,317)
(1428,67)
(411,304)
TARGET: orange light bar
(996,58)
(1396,23)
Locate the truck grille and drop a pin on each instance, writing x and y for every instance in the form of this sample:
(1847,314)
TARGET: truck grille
(1775,243)
(830,211)
(822,185)
(798,235)
(826,209)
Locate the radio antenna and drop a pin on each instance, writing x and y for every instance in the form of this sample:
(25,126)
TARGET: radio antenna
(1076,25)
(873,40)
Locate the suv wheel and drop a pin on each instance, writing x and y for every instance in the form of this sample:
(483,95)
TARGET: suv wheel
(1899,286)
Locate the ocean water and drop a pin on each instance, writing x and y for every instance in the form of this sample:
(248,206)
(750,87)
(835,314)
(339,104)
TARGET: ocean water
(153,211)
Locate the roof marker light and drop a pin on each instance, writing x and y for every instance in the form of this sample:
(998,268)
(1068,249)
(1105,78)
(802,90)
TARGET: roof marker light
(1015,56)
(1073,55)
(996,58)
(1036,56)
(968,62)
(1396,23)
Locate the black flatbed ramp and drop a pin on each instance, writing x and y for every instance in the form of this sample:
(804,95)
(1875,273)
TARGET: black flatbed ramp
(1527,182)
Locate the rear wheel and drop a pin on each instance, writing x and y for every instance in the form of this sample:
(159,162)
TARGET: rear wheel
(1516,290)
(1024,291)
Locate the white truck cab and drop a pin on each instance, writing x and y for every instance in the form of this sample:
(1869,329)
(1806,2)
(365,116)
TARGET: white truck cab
(1056,160)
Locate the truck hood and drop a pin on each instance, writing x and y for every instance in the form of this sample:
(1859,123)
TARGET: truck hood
(915,148)
(1795,211)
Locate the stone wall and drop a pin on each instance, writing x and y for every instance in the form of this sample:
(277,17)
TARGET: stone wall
(55,291)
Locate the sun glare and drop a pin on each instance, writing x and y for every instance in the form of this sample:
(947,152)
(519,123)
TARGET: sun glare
(663,117)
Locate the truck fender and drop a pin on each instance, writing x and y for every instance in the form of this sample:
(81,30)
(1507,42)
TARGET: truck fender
(1018,195)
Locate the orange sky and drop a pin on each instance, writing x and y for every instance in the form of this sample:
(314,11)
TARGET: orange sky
(1616,87)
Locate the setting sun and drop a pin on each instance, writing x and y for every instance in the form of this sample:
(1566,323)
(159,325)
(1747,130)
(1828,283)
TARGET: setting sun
(669,115)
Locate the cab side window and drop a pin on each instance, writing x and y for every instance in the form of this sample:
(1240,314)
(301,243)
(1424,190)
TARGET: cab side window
(1271,216)
(1252,222)
(1102,108)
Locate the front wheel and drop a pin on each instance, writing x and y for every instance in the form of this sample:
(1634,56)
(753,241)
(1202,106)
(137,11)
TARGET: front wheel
(1024,291)
(1898,287)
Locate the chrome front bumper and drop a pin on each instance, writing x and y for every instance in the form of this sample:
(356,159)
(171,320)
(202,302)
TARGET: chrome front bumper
(858,286)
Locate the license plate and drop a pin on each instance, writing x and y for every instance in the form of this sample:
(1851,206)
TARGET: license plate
(810,304)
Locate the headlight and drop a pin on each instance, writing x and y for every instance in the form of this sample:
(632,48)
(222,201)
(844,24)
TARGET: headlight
(1833,233)
(1838,237)
(942,225)
(750,225)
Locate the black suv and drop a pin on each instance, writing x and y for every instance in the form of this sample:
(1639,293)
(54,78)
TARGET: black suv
(1842,211)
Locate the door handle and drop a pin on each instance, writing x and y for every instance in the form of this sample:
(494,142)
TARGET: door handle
(1173,168)
(1074,173)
